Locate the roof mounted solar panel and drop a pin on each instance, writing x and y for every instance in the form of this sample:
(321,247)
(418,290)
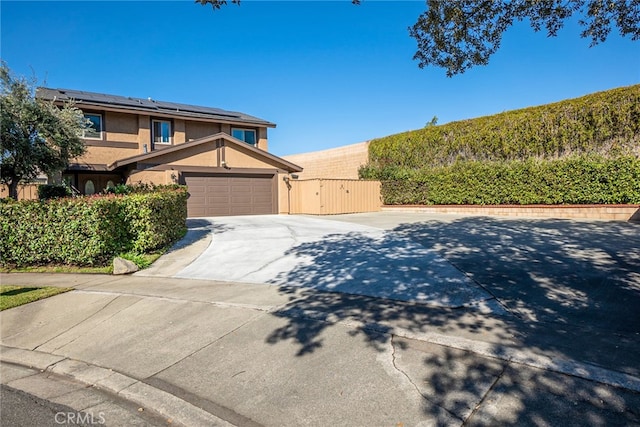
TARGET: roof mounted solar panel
(174,106)
(147,104)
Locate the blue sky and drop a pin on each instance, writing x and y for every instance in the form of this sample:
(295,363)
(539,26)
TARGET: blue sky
(328,73)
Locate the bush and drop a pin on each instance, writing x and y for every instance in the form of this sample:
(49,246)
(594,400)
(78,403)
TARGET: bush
(90,230)
(156,218)
(604,123)
(53,191)
(583,150)
(574,180)
(119,189)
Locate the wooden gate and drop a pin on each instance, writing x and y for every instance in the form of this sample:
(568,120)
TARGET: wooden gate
(334,196)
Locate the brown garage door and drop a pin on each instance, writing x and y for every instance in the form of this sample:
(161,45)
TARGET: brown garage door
(221,195)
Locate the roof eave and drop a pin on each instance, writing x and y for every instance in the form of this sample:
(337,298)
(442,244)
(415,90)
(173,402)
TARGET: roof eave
(286,165)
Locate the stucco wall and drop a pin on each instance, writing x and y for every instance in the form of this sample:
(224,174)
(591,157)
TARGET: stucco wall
(210,154)
(151,177)
(335,163)
(106,155)
(120,127)
(196,130)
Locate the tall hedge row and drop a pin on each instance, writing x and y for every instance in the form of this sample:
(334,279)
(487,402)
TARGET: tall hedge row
(583,150)
(606,123)
(572,180)
(89,230)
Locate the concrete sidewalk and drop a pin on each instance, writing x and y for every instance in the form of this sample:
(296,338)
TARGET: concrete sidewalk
(205,352)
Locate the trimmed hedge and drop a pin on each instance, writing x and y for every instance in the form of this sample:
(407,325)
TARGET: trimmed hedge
(572,180)
(605,123)
(583,150)
(90,230)
(52,191)
(156,219)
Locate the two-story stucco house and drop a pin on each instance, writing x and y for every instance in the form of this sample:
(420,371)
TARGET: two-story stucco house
(220,155)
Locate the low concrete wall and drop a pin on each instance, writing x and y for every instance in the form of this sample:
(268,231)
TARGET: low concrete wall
(603,212)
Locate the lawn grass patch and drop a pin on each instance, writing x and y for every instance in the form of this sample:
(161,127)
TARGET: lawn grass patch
(141,260)
(14,296)
(59,269)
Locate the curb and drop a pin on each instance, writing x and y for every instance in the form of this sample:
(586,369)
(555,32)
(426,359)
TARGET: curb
(507,354)
(128,388)
(511,355)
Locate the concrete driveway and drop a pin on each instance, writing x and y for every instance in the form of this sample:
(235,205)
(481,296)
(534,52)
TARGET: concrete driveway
(310,252)
(573,284)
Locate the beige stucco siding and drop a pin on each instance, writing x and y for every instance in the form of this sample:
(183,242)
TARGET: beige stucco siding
(179,131)
(120,127)
(150,177)
(106,155)
(211,154)
(239,158)
(283,193)
(196,130)
(144,133)
(201,155)
(263,142)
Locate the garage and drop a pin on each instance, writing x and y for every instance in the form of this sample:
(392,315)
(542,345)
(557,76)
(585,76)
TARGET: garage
(230,194)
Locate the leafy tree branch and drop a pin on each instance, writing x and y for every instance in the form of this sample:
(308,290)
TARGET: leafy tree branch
(459,34)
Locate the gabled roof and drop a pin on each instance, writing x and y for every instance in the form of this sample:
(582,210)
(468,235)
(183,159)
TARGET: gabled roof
(229,140)
(150,106)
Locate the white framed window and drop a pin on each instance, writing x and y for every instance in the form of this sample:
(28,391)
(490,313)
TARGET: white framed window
(161,131)
(246,135)
(94,131)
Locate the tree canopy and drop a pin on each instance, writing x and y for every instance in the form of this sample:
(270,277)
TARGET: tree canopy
(459,34)
(36,136)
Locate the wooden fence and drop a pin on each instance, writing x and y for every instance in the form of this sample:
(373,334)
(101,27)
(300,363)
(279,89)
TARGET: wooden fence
(334,196)
(25,191)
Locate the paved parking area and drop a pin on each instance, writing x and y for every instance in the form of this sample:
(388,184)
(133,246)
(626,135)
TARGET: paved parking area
(308,252)
(574,282)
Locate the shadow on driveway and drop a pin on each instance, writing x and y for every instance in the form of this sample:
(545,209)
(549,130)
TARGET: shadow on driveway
(571,289)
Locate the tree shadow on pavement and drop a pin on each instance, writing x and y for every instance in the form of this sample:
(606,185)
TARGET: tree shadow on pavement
(571,290)
(577,284)
(481,391)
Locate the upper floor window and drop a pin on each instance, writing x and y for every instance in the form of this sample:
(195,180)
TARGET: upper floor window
(94,131)
(246,135)
(161,131)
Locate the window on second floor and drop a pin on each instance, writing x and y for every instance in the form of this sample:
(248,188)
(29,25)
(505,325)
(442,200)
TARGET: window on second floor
(246,135)
(94,131)
(161,131)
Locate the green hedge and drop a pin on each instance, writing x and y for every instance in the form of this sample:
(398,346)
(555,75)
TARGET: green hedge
(90,230)
(53,191)
(572,180)
(605,123)
(583,150)
(156,219)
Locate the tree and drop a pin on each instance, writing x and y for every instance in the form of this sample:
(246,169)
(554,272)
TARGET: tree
(459,34)
(37,137)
